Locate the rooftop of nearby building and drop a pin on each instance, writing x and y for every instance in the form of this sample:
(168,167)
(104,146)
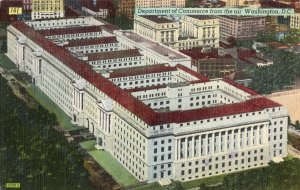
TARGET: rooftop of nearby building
(199,54)
(93,41)
(124,72)
(202,17)
(113,54)
(156,47)
(241,17)
(70,30)
(158,19)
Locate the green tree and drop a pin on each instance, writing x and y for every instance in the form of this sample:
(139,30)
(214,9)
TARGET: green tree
(297,124)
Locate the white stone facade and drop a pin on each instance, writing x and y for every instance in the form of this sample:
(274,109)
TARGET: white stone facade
(184,33)
(235,128)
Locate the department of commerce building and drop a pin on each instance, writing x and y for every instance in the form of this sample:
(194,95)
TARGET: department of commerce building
(145,103)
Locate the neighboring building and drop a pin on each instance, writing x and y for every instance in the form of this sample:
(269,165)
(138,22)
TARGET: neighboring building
(295,21)
(240,77)
(240,27)
(213,64)
(47,9)
(128,6)
(98,8)
(250,56)
(170,122)
(184,33)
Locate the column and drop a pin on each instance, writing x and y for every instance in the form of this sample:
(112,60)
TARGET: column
(225,141)
(257,135)
(200,144)
(232,140)
(220,142)
(213,143)
(245,136)
(206,144)
(193,146)
(251,136)
(239,139)
(185,148)
(177,149)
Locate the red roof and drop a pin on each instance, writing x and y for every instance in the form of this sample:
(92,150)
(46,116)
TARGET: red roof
(241,87)
(252,105)
(128,101)
(92,41)
(71,30)
(141,70)
(113,54)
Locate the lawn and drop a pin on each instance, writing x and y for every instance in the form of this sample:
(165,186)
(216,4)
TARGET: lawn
(6,63)
(208,181)
(110,164)
(89,145)
(45,101)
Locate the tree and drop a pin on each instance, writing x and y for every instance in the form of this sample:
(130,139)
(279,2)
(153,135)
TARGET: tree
(203,186)
(297,125)
(231,40)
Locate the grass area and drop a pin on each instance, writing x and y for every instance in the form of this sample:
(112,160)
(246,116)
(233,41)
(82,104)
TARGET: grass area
(149,186)
(110,164)
(113,167)
(45,101)
(208,181)
(89,145)
(6,63)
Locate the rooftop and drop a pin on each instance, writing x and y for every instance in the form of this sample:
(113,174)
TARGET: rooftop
(202,17)
(113,54)
(93,41)
(197,54)
(141,70)
(70,30)
(158,19)
(156,47)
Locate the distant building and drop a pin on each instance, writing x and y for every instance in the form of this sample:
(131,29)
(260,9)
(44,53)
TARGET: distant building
(240,27)
(98,8)
(295,21)
(127,6)
(251,57)
(42,9)
(212,64)
(184,33)
(240,77)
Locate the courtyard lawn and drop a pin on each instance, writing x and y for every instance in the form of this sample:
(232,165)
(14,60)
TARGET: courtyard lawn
(110,164)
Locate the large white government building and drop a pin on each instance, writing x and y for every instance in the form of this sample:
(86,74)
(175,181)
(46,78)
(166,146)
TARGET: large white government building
(145,103)
(186,32)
